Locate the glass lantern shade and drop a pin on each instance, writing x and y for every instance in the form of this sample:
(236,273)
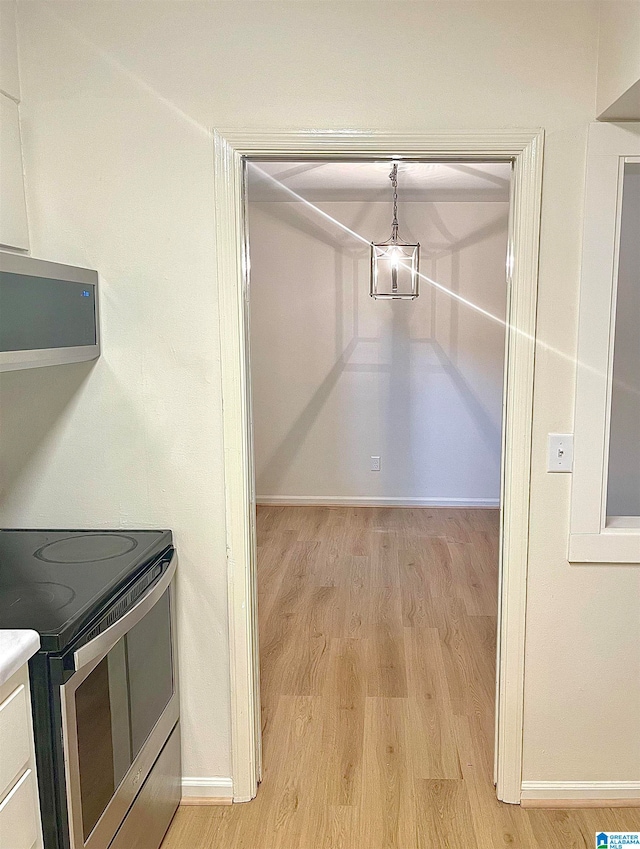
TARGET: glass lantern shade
(394,271)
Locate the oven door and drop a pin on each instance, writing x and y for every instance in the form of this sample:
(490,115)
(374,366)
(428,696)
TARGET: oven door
(118,709)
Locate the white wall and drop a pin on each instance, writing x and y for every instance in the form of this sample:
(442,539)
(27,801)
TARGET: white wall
(122,183)
(618,95)
(338,377)
(117,98)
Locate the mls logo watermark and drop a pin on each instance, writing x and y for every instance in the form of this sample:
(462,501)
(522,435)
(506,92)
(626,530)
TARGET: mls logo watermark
(617,839)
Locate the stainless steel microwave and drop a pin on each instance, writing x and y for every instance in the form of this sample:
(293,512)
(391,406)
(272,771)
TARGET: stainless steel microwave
(48,313)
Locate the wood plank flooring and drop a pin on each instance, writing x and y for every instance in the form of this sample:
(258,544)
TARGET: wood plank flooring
(377,630)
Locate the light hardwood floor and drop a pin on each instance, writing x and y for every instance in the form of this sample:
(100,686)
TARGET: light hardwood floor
(377,631)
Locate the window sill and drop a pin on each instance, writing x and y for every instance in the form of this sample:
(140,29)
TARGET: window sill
(612,545)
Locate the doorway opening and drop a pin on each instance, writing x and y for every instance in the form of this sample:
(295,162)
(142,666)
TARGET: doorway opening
(377,432)
(521,148)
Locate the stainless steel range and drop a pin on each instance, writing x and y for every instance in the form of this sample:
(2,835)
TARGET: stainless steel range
(104,685)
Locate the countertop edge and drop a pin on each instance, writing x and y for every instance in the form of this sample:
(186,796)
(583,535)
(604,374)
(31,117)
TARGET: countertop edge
(17,647)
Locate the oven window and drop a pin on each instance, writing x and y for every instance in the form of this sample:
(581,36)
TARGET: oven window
(150,671)
(118,705)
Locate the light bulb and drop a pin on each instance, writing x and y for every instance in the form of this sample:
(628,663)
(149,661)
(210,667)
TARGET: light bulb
(394,255)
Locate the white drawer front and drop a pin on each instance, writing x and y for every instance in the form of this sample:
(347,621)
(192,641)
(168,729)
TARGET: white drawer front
(18,815)
(15,736)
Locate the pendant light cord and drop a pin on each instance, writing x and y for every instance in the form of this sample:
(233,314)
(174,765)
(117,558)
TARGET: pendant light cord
(393,176)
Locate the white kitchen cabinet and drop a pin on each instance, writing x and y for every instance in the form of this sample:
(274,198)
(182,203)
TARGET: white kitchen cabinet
(9,76)
(20,826)
(14,232)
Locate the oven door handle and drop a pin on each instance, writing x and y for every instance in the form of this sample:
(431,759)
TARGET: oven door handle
(101,644)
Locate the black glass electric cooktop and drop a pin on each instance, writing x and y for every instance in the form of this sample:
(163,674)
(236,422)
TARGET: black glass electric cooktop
(57,582)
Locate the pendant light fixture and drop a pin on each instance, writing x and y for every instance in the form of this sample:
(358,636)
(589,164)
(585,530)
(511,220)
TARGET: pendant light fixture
(394,263)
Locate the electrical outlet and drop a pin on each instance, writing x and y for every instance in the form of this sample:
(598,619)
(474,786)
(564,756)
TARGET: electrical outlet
(375,464)
(560,457)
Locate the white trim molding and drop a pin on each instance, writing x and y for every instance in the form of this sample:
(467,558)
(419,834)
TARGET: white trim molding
(524,149)
(215,790)
(581,793)
(594,537)
(373,501)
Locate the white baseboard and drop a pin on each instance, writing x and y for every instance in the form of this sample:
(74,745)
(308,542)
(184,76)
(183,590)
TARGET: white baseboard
(586,793)
(372,501)
(216,790)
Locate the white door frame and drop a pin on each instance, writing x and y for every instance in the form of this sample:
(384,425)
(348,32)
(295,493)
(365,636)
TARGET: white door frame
(524,148)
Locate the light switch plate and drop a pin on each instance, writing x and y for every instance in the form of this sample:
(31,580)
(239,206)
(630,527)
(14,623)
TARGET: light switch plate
(560,454)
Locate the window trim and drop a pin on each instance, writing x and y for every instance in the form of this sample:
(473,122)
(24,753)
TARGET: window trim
(592,539)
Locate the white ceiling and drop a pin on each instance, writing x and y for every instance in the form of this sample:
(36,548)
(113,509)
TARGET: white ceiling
(357,181)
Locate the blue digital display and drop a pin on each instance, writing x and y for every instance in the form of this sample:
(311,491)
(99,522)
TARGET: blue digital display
(86,294)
